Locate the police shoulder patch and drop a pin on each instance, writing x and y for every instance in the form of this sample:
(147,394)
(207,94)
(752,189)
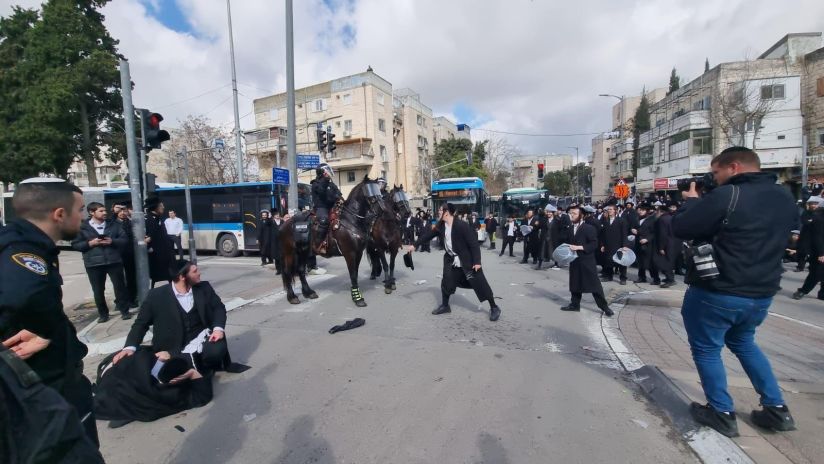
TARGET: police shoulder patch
(31,262)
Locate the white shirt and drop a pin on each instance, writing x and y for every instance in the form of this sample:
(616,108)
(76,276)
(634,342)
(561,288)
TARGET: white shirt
(575,228)
(456,262)
(100,227)
(173,226)
(511,229)
(186,300)
(611,220)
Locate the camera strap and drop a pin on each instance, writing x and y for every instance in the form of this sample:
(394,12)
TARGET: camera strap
(731,206)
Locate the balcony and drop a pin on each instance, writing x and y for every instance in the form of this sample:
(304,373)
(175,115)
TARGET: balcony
(352,153)
(698,119)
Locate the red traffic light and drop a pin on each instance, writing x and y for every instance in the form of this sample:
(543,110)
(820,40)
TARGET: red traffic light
(154,120)
(541,166)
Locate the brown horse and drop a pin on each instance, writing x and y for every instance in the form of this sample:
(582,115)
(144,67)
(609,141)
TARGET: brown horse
(386,237)
(348,239)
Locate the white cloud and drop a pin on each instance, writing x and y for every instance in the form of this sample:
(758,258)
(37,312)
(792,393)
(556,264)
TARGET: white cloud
(521,65)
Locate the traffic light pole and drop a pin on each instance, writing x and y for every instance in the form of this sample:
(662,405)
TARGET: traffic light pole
(238,145)
(191,232)
(143,157)
(291,129)
(138,217)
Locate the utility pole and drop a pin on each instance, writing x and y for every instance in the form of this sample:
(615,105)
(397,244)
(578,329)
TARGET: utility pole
(291,131)
(138,219)
(577,172)
(191,231)
(238,144)
(804,173)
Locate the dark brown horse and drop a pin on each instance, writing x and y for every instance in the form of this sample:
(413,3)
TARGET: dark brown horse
(348,239)
(386,237)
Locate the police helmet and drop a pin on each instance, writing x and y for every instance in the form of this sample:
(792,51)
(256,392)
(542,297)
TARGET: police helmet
(323,167)
(381,181)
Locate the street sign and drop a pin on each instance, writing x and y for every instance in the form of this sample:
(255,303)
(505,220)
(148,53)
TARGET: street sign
(280,176)
(308,161)
(219,144)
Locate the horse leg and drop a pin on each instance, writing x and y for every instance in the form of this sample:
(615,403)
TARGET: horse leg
(305,289)
(392,255)
(290,268)
(372,257)
(353,263)
(387,281)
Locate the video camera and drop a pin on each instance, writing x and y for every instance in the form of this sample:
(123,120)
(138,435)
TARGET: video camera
(703,184)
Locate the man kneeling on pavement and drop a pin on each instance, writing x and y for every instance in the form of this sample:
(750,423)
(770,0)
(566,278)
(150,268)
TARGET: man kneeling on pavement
(174,373)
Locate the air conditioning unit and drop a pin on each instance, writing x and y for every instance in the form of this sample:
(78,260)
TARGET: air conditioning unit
(347,134)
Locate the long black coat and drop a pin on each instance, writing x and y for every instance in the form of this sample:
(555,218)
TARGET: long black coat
(583,273)
(646,230)
(161,254)
(614,236)
(666,241)
(560,230)
(464,242)
(267,237)
(805,235)
(491,225)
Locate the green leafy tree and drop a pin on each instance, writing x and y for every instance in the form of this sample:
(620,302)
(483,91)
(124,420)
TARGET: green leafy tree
(580,178)
(674,82)
(558,183)
(61,70)
(641,124)
(454,151)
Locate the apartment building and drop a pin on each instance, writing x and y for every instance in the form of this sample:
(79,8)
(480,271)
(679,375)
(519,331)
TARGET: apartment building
(812,104)
(525,169)
(443,129)
(755,103)
(359,110)
(109,173)
(464,131)
(414,129)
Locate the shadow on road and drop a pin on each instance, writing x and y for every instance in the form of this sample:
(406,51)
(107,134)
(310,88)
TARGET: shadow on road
(492,451)
(302,444)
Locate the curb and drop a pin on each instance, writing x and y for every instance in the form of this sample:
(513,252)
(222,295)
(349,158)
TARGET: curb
(710,446)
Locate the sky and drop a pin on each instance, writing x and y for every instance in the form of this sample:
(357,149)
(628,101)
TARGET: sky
(518,66)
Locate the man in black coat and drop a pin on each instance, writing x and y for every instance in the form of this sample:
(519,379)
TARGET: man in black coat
(187,318)
(528,239)
(266,238)
(509,231)
(461,260)
(491,225)
(559,230)
(805,235)
(645,245)
(815,254)
(583,273)
(668,247)
(127,253)
(614,238)
(101,243)
(540,227)
(161,248)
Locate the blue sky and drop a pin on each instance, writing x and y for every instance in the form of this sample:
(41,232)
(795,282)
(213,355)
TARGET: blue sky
(168,13)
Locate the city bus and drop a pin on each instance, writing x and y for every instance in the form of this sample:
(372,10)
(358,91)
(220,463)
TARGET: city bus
(468,194)
(224,216)
(516,201)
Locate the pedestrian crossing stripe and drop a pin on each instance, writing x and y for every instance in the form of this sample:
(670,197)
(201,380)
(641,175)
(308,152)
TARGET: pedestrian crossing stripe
(31,262)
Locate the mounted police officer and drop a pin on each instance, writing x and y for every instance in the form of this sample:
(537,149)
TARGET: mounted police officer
(32,322)
(325,195)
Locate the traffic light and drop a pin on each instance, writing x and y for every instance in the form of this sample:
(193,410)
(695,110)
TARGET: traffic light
(321,140)
(540,171)
(151,183)
(154,136)
(331,145)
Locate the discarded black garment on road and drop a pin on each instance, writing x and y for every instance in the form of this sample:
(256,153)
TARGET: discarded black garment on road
(353,324)
(407,261)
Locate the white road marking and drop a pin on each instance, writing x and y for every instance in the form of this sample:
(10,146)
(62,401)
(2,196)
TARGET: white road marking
(797,321)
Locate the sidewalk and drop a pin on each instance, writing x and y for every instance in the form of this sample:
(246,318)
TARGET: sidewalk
(650,324)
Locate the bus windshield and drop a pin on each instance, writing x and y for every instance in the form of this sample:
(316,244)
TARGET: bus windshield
(516,202)
(466,193)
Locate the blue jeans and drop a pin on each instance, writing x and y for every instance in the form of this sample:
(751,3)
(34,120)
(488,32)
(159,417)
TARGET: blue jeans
(713,320)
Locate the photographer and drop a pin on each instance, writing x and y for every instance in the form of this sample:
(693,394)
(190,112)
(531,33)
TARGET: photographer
(726,307)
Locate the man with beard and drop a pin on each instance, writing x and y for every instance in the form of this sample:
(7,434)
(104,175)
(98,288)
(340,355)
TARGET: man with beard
(266,236)
(668,247)
(161,251)
(127,253)
(645,247)
(33,325)
(491,225)
(508,233)
(559,229)
(527,238)
(583,273)
(613,238)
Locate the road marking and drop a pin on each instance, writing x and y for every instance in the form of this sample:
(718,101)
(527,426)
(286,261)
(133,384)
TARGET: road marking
(612,332)
(798,321)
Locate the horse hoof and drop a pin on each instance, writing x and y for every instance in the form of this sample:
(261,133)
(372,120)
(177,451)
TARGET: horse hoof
(387,290)
(311,295)
(360,303)
(294,300)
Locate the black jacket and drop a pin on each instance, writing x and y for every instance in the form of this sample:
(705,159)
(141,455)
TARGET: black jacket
(325,193)
(161,249)
(464,242)
(267,237)
(583,273)
(491,225)
(31,298)
(101,255)
(749,248)
(560,230)
(614,236)
(805,234)
(161,311)
(815,241)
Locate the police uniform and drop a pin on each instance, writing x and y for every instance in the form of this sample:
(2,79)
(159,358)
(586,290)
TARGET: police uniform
(31,298)
(324,196)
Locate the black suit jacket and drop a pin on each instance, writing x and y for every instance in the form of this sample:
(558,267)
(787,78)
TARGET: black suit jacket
(614,236)
(161,311)
(464,242)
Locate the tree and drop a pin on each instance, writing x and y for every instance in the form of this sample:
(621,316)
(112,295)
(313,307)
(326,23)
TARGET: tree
(674,82)
(454,151)
(64,79)
(558,183)
(707,65)
(498,166)
(581,179)
(641,124)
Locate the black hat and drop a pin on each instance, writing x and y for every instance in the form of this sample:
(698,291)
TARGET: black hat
(672,203)
(407,261)
(152,203)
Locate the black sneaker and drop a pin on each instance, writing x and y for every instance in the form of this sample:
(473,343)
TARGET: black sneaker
(775,418)
(723,423)
(623,282)
(570,307)
(494,313)
(608,312)
(442,309)
(640,281)
(655,282)
(667,284)
(798,295)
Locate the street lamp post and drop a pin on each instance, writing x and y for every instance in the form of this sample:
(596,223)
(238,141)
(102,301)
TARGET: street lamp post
(577,172)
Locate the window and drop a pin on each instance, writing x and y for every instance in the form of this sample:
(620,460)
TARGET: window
(607,149)
(769,92)
(381,125)
(383,174)
(347,125)
(347,99)
(701,142)
(420,120)
(782,137)
(380,98)
(680,137)
(226,211)
(821,136)
(384,157)
(320,104)
(662,152)
(819,87)
(645,156)
(350,176)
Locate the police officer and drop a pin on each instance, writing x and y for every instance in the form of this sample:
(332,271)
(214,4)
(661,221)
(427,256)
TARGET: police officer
(32,322)
(325,194)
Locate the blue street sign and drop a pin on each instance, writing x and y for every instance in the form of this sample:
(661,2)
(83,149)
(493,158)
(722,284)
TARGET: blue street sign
(280,176)
(308,161)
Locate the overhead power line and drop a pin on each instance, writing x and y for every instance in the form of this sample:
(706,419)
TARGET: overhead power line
(192,98)
(538,135)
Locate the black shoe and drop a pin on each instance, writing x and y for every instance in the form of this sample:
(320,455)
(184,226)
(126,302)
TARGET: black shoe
(623,282)
(606,279)
(494,313)
(103,319)
(277,273)
(608,312)
(500,254)
(125,316)
(442,309)
(511,256)
(655,282)
(116,424)
(667,284)
(798,295)
(640,281)
(570,307)
(798,270)
(524,261)
(133,305)
(775,418)
(723,423)
(538,266)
